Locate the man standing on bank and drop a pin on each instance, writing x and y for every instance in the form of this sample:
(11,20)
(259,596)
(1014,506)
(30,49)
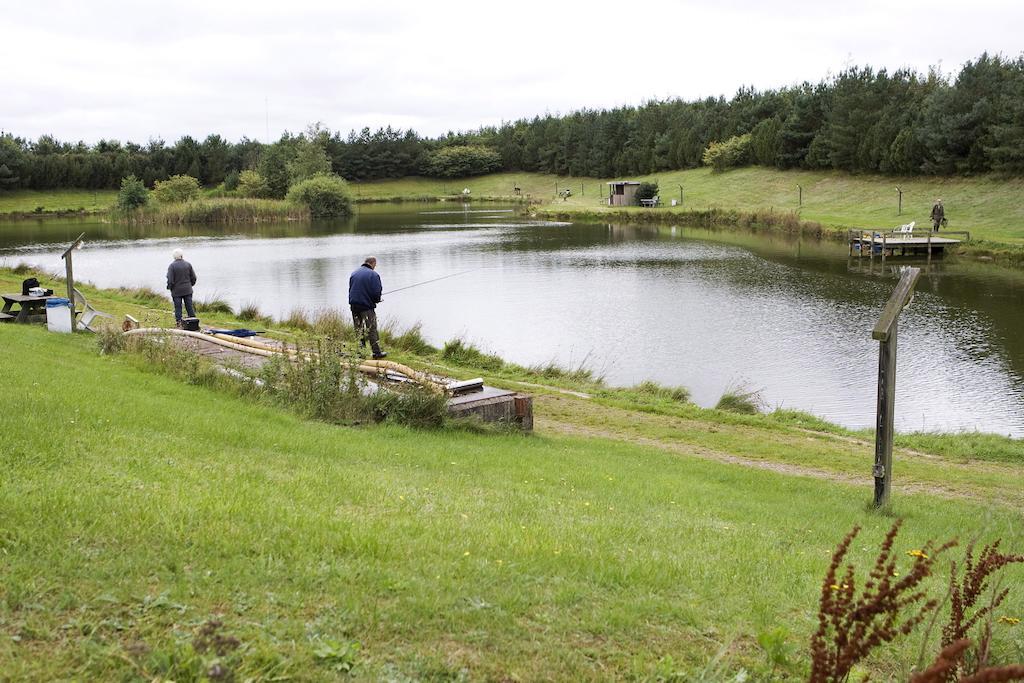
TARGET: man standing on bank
(180,280)
(938,215)
(364,291)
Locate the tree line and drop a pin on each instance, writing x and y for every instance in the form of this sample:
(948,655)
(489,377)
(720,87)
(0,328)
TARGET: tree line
(862,121)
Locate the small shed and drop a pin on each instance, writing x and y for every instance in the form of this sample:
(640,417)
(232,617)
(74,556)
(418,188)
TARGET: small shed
(622,192)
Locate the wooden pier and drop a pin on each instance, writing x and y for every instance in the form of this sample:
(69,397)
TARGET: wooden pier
(903,243)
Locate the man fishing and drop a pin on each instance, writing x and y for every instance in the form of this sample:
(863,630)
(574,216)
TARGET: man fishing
(181,278)
(364,292)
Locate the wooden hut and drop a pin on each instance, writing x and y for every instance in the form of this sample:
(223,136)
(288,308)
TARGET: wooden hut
(622,192)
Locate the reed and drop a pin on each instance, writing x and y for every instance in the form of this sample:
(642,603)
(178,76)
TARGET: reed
(216,210)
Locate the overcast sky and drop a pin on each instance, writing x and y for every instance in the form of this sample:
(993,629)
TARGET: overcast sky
(93,69)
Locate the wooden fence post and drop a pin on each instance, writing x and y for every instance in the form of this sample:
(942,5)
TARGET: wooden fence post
(70,275)
(885,332)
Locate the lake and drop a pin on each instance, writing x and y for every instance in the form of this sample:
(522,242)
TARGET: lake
(703,309)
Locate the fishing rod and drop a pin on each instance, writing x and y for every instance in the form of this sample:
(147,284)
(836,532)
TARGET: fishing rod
(427,282)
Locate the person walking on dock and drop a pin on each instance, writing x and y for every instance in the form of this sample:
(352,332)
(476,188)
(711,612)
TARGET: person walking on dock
(938,215)
(180,280)
(364,291)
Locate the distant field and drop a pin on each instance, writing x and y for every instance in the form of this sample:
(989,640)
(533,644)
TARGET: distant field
(27,201)
(988,207)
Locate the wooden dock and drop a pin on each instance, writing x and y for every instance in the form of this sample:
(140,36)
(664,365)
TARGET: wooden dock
(898,243)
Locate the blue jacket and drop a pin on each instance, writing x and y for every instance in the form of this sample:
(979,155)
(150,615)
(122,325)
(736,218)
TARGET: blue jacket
(364,288)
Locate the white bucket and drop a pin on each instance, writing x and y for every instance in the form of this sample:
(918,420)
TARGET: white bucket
(58,315)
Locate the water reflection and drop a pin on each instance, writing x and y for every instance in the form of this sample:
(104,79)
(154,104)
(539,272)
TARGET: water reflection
(700,308)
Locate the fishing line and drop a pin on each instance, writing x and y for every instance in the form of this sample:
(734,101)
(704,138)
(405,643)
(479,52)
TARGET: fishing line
(427,282)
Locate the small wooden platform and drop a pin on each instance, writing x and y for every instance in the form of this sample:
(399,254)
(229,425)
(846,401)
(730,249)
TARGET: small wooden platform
(489,404)
(897,244)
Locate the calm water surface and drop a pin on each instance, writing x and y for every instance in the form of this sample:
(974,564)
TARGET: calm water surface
(706,310)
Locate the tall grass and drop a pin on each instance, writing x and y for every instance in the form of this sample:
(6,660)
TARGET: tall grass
(250,312)
(740,398)
(216,210)
(214,305)
(655,390)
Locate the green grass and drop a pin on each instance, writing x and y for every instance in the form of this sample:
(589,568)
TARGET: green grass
(131,524)
(986,206)
(27,201)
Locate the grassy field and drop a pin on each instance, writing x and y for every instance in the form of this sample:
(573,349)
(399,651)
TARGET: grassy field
(148,523)
(986,206)
(28,201)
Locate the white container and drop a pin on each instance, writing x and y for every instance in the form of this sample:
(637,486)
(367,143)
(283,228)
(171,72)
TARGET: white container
(58,315)
(673,202)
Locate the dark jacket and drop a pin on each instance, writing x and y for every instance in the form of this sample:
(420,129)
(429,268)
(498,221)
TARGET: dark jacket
(938,213)
(364,288)
(180,277)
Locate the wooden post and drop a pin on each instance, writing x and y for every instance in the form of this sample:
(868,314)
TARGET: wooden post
(872,252)
(899,212)
(885,332)
(581,190)
(929,247)
(883,251)
(70,275)
(801,187)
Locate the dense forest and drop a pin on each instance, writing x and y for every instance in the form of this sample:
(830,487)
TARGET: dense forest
(861,121)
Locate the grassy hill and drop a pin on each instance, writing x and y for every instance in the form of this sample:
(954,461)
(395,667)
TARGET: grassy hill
(149,523)
(988,207)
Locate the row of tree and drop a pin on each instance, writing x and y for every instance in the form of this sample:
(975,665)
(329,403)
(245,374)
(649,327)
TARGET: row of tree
(861,120)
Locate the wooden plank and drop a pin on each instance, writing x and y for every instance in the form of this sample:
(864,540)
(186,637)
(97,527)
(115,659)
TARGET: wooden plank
(882,470)
(900,297)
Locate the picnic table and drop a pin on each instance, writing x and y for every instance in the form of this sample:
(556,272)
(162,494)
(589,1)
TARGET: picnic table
(31,309)
(649,203)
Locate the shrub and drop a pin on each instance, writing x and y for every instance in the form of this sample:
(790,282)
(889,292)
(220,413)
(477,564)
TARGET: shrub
(231,181)
(740,399)
(459,161)
(251,184)
(327,196)
(734,152)
(176,189)
(132,195)
(646,191)
(413,406)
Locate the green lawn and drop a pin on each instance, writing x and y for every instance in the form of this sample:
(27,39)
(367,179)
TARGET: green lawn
(27,201)
(988,207)
(137,509)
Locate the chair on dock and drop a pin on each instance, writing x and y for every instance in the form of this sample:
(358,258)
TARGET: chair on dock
(908,228)
(88,312)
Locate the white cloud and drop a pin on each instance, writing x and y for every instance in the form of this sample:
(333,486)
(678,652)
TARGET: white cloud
(135,70)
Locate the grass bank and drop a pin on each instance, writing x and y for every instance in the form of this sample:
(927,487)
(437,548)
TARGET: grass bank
(156,529)
(216,210)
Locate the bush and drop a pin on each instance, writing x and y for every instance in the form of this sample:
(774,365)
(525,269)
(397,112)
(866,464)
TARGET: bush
(741,399)
(459,161)
(734,152)
(231,181)
(327,196)
(646,191)
(251,184)
(176,189)
(133,194)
